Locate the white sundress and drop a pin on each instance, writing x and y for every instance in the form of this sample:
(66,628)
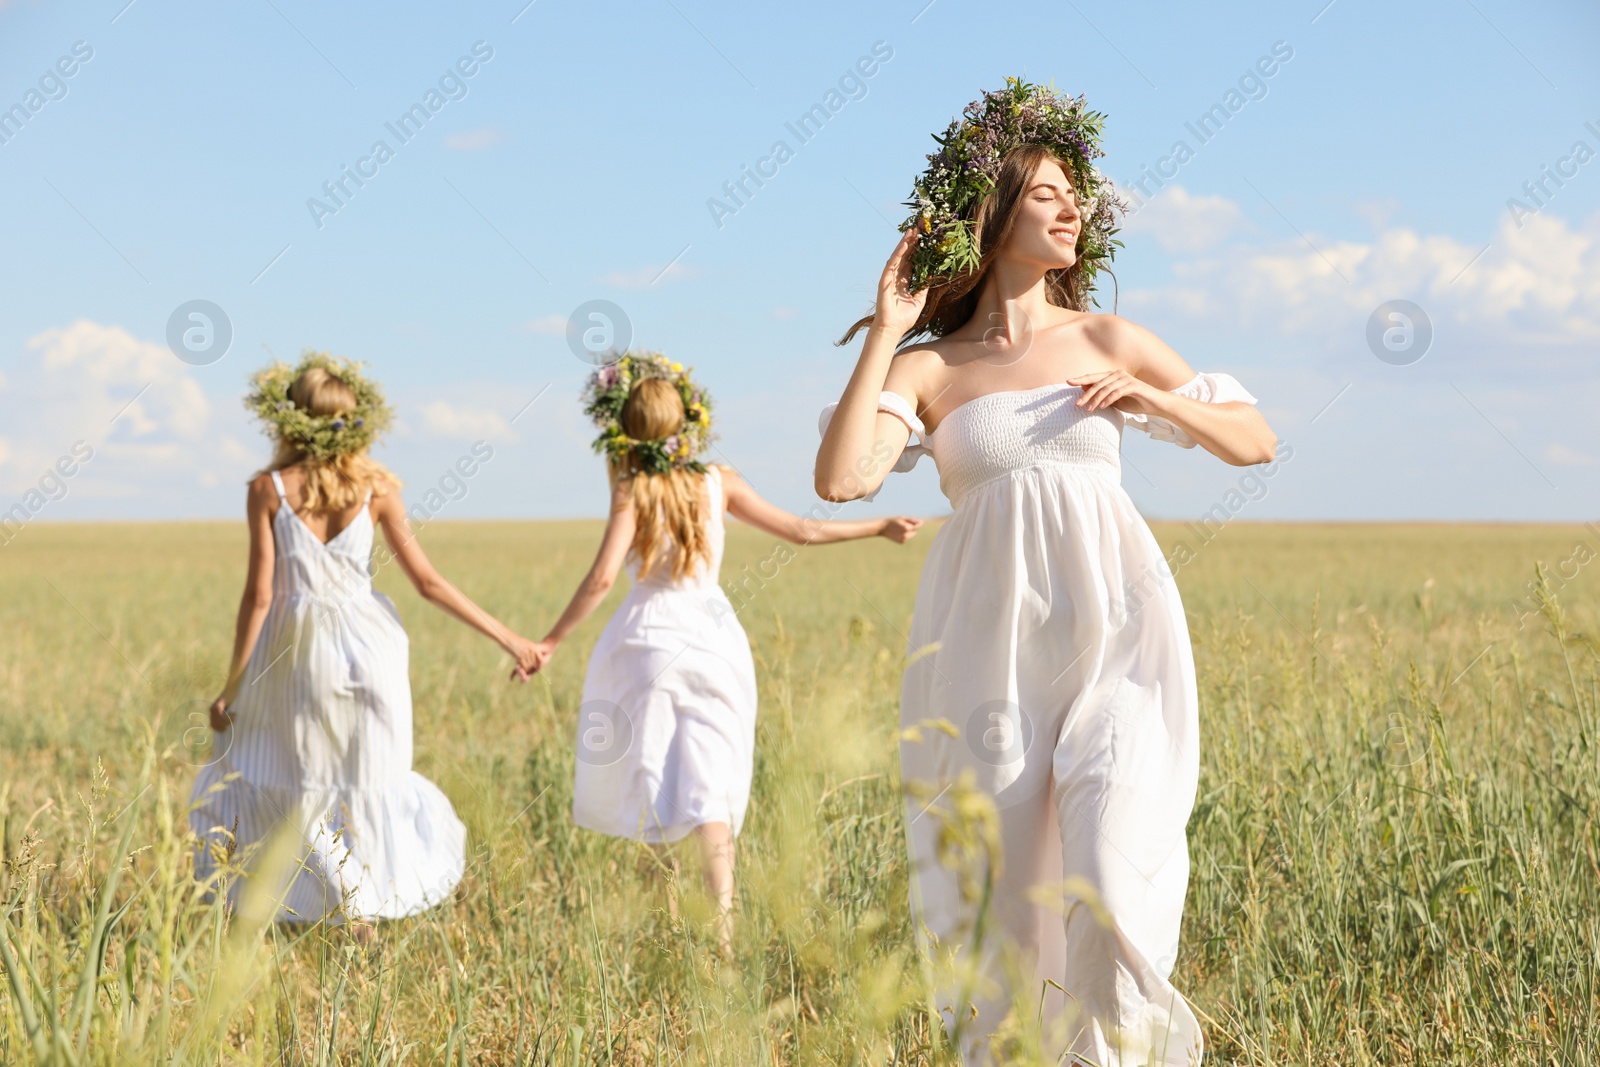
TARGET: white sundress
(321,740)
(1049,632)
(666,731)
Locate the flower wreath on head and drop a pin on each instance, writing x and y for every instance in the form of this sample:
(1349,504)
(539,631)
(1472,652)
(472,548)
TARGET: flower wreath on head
(965,169)
(606,393)
(319,437)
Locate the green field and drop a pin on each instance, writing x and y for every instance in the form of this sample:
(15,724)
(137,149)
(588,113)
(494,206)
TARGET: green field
(1394,848)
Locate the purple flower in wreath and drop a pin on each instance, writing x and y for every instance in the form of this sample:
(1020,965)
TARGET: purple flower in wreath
(608,375)
(670,445)
(338,424)
(360,423)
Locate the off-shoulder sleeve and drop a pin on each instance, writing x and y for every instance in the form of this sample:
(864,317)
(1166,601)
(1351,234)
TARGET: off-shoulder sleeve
(900,408)
(1206,388)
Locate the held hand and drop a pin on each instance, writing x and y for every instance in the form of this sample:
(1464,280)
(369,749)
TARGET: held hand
(900,529)
(898,307)
(1115,389)
(531,657)
(220,719)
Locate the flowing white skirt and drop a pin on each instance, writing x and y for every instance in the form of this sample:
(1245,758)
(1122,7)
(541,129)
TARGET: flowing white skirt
(666,731)
(1063,664)
(321,746)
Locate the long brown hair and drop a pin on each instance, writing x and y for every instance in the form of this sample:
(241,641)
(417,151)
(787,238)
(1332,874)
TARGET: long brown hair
(952,299)
(666,507)
(344,480)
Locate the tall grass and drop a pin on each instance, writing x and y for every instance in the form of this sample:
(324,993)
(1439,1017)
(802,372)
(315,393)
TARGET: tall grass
(1394,847)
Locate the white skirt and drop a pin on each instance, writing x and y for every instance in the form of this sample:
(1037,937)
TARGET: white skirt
(321,744)
(666,732)
(1053,639)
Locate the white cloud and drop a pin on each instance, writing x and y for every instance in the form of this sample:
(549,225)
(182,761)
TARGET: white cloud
(235,450)
(127,417)
(1376,213)
(1534,292)
(129,400)
(1183,222)
(104,373)
(473,140)
(1559,453)
(555,325)
(645,277)
(459,422)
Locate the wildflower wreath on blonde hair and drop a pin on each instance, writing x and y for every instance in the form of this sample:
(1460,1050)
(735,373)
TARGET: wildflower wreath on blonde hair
(964,170)
(607,392)
(319,437)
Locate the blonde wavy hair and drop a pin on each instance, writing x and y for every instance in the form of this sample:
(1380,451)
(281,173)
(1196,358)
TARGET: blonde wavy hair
(668,509)
(344,480)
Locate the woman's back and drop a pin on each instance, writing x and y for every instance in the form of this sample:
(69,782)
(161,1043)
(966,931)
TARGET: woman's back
(311,563)
(325,523)
(703,574)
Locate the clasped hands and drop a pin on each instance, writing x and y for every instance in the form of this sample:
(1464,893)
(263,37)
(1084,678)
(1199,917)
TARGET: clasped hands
(531,656)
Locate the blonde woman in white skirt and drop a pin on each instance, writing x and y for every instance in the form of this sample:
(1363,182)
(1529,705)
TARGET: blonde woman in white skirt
(314,723)
(666,731)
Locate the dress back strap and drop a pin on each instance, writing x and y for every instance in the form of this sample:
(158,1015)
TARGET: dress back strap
(277,480)
(714,480)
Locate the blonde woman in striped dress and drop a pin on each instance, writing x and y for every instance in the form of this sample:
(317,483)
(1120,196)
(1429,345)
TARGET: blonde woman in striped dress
(314,723)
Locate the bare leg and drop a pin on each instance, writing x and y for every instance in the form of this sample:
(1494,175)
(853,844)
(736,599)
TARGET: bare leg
(363,931)
(716,866)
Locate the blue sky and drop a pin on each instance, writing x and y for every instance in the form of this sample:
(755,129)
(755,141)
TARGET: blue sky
(576,162)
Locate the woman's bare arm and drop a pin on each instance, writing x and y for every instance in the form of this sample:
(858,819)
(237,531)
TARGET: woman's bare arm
(256,601)
(861,444)
(390,512)
(1149,370)
(614,545)
(746,505)
(592,590)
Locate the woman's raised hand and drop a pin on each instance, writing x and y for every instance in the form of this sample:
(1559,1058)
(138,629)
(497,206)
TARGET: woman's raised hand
(900,529)
(898,307)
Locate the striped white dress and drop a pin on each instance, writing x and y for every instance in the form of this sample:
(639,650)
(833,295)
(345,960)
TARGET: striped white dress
(321,741)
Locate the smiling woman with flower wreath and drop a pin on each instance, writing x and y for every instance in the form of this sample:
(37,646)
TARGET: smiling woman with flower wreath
(314,723)
(1051,744)
(666,731)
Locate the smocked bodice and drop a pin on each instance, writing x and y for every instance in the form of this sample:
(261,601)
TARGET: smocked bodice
(1014,430)
(1001,433)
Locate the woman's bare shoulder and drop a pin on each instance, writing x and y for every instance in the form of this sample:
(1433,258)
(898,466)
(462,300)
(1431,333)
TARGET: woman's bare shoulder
(386,496)
(916,366)
(924,352)
(1114,335)
(261,487)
